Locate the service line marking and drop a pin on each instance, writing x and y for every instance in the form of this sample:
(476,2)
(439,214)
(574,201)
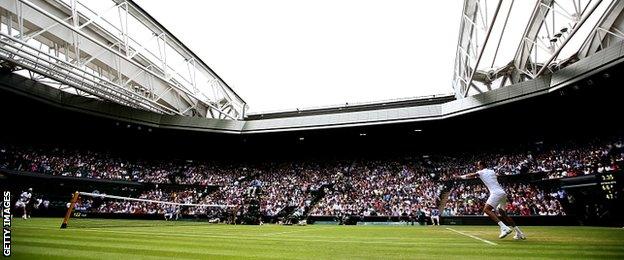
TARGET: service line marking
(475,237)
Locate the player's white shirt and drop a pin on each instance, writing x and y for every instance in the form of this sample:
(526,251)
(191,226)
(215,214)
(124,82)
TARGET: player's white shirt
(488,177)
(25,196)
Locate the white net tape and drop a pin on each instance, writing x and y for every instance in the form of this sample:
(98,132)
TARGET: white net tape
(98,195)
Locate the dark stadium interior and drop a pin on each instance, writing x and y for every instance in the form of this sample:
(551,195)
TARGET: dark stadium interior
(588,108)
(580,113)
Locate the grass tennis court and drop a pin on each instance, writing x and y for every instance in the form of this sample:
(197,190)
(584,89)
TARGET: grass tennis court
(131,239)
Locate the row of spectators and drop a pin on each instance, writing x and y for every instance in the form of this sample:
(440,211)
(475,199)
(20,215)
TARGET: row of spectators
(523,200)
(367,188)
(88,164)
(558,161)
(376,188)
(113,205)
(280,185)
(573,161)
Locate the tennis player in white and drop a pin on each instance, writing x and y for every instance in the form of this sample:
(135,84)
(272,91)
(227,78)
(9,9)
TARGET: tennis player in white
(24,202)
(497,199)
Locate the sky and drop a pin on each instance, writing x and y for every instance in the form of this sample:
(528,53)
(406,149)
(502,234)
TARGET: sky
(285,54)
(289,54)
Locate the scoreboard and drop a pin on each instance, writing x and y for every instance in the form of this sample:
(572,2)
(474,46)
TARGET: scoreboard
(610,185)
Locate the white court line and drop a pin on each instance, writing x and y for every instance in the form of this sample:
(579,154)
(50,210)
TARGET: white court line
(292,231)
(475,237)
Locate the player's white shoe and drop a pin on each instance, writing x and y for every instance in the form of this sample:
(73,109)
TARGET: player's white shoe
(519,236)
(504,232)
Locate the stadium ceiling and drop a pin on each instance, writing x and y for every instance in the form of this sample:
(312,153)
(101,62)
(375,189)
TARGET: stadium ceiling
(556,33)
(111,50)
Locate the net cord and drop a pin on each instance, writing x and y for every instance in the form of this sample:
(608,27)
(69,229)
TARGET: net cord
(97,195)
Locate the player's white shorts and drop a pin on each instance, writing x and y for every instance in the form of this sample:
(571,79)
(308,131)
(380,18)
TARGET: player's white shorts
(497,200)
(20,204)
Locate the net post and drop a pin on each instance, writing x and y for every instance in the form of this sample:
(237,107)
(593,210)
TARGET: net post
(70,209)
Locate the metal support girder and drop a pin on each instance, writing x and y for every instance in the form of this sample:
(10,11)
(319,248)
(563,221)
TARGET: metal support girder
(238,103)
(500,37)
(463,54)
(577,26)
(608,29)
(110,58)
(27,57)
(469,49)
(69,35)
(167,40)
(480,55)
(548,33)
(527,42)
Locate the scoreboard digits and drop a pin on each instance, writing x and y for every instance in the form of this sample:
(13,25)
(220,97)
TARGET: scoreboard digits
(609,186)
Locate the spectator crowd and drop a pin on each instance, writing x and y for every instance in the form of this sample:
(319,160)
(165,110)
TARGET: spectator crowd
(523,200)
(380,188)
(390,187)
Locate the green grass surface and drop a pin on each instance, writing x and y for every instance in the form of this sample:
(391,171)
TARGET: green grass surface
(41,238)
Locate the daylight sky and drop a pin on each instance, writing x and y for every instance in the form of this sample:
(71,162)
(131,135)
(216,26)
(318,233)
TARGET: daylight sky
(287,54)
(284,54)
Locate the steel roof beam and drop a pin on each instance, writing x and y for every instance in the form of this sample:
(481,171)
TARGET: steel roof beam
(527,42)
(470,49)
(609,27)
(60,29)
(577,26)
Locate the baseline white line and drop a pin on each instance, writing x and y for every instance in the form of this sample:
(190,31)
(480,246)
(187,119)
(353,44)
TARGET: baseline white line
(475,237)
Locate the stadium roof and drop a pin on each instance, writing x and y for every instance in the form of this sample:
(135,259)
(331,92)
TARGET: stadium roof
(279,54)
